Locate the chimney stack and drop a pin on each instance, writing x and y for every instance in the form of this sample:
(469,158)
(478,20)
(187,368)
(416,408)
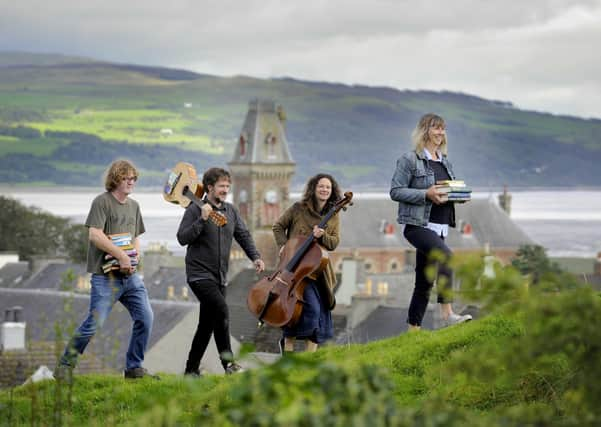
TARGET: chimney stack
(505,201)
(12,331)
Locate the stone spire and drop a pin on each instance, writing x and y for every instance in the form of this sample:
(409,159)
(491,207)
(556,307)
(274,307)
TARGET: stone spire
(262,168)
(262,139)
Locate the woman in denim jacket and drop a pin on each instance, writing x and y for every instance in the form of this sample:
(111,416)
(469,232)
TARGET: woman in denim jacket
(426,215)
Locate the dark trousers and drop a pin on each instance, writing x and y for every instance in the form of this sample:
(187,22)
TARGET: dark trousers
(426,242)
(213,319)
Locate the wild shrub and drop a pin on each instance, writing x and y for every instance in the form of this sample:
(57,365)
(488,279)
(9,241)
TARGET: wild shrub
(301,392)
(548,374)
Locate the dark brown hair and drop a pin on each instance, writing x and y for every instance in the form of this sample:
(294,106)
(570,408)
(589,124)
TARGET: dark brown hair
(212,175)
(309,193)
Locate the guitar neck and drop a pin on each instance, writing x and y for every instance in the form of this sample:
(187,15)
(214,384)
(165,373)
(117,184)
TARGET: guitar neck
(216,218)
(190,195)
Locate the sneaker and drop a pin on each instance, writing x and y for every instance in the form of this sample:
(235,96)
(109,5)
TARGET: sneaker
(454,319)
(233,368)
(137,373)
(64,373)
(193,374)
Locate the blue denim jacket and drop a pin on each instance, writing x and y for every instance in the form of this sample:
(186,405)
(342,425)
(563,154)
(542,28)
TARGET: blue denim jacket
(409,185)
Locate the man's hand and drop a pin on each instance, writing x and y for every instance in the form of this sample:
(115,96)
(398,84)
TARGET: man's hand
(125,266)
(205,211)
(434,195)
(259,265)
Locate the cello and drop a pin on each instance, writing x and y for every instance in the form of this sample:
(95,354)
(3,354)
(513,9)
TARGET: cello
(278,299)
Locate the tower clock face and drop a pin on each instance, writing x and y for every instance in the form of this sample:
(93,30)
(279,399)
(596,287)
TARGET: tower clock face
(271,196)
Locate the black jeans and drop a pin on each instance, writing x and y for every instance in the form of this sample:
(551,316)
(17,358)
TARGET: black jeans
(425,241)
(213,318)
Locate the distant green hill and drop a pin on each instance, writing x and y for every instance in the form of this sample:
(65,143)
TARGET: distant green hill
(63,119)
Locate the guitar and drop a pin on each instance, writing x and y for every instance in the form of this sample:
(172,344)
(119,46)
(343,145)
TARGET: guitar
(182,188)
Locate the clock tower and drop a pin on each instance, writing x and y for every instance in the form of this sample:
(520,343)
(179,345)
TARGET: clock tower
(261,171)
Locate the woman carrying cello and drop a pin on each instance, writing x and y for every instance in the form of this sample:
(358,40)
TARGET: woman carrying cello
(315,323)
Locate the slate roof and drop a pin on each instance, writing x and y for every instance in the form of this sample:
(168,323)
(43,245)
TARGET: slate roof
(51,275)
(13,274)
(386,322)
(490,224)
(261,120)
(42,308)
(158,284)
(383,322)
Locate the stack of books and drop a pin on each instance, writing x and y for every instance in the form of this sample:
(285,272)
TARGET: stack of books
(125,243)
(455,190)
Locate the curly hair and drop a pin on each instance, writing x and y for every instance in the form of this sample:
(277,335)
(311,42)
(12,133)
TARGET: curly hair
(419,136)
(117,172)
(212,175)
(309,193)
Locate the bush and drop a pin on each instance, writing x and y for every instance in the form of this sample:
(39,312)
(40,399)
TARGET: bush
(299,392)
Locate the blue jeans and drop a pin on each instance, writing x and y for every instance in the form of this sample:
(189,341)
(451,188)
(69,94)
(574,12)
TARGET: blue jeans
(106,291)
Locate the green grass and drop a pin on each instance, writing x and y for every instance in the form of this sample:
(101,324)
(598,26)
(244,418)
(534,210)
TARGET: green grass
(358,129)
(39,147)
(137,126)
(413,361)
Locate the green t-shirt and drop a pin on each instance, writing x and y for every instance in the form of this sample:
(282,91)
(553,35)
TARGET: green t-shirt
(111,216)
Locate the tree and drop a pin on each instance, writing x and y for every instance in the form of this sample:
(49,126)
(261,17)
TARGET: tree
(532,260)
(31,232)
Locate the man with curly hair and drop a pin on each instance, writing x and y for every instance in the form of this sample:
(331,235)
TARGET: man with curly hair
(114,213)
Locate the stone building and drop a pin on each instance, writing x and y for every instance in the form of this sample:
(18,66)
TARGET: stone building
(261,168)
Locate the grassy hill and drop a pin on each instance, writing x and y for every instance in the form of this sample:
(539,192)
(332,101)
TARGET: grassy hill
(63,119)
(452,377)
(532,358)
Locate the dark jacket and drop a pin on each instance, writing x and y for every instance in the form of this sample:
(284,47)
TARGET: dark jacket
(410,182)
(208,252)
(299,219)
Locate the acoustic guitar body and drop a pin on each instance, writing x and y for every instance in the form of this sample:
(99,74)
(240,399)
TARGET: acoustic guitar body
(182,188)
(182,175)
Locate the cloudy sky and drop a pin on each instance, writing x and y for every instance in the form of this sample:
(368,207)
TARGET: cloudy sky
(539,54)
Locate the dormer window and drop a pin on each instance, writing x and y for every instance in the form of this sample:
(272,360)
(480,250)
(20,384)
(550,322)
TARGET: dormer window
(270,141)
(243,142)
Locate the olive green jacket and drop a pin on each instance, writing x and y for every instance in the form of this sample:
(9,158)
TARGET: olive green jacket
(299,219)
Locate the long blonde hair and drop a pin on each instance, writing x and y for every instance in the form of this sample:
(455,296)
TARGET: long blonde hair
(419,136)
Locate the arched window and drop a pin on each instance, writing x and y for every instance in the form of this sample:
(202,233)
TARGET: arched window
(243,204)
(271,207)
(243,144)
(271,141)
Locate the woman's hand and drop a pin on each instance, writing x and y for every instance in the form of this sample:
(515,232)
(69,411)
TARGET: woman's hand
(318,232)
(436,196)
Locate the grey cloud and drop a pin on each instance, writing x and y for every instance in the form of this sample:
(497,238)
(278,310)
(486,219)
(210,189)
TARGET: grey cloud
(525,52)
